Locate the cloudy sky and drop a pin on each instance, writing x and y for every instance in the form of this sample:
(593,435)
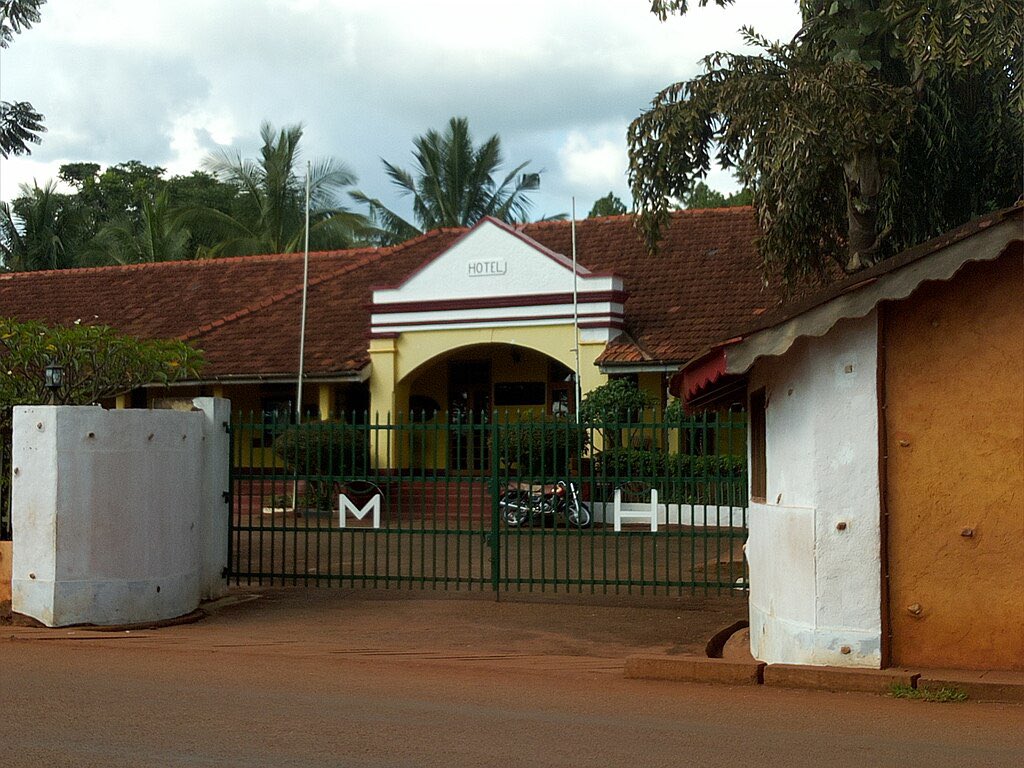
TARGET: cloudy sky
(167,81)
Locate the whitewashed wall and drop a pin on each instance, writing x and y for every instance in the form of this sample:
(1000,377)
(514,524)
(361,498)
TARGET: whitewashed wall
(815,590)
(692,515)
(118,516)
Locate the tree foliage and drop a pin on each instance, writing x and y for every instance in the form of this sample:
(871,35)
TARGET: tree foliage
(157,235)
(97,362)
(703,196)
(453,184)
(20,123)
(882,123)
(616,402)
(41,229)
(269,215)
(323,449)
(130,213)
(609,205)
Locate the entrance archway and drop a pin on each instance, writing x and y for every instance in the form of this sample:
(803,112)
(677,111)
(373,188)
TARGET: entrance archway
(466,387)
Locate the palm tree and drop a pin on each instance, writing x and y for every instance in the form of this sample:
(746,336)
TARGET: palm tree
(270,210)
(41,229)
(160,237)
(453,184)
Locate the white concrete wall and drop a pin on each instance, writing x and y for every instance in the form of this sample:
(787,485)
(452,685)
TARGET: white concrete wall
(815,590)
(118,516)
(691,515)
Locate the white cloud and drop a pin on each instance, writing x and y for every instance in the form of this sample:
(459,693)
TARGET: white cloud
(592,164)
(192,136)
(15,171)
(165,82)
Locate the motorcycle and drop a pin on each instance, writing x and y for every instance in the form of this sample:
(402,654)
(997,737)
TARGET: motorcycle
(524,504)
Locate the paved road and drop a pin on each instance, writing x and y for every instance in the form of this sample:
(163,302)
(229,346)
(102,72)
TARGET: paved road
(296,691)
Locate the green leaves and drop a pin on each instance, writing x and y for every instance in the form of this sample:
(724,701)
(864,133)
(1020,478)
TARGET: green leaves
(609,205)
(454,184)
(618,400)
(20,123)
(98,363)
(880,125)
(268,214)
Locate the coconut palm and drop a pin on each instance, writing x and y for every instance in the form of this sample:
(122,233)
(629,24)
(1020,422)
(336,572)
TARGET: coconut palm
(452,185)
(270,210)
(159,237)
(41,229)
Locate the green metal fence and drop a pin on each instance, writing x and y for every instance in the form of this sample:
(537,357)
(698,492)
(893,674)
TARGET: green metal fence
(509,502)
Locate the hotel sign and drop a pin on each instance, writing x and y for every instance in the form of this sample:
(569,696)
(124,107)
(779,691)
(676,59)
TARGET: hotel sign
(487,267)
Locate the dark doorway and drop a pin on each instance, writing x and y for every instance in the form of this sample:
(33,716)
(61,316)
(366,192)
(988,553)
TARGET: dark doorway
(469,404)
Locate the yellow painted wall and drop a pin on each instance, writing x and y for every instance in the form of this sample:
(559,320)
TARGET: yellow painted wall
(414,349)
(954,420)
(6,550)
(416,363)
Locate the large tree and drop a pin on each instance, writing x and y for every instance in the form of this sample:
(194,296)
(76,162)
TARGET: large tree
(703,196)
(20,123)
(269,213)
(134,214)
(609,205)
(41,229)
(453,184)
(882,123)
(158,235)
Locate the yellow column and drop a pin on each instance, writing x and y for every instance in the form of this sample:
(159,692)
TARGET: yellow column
(121,402)
(590,375)
(651,383)
(326,399)
(383,361)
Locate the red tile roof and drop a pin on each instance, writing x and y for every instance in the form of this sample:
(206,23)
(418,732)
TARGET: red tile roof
(704,279)
(244,312)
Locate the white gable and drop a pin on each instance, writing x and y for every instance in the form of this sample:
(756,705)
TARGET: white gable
(494,276)
(489,261)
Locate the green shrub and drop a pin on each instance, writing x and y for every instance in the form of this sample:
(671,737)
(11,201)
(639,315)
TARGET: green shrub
(653,463)
(678,478)
(327,452)
(541,447)
(614,409)
(618,400)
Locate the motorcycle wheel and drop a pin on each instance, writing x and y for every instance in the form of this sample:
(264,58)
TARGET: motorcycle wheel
(578,515)
(512,510)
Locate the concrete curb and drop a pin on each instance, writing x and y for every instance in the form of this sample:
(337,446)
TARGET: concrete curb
(838,678)
(694,669)
(977,689)
(986,687)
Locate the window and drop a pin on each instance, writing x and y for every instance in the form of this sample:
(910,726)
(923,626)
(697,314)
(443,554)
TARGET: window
(758,446)
(520,393)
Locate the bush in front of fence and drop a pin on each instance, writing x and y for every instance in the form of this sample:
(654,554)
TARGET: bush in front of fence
(324,454)
(541,448)
(679,478)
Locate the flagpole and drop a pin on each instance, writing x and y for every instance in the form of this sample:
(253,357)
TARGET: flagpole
(302,336)
(305,291)
(575,312)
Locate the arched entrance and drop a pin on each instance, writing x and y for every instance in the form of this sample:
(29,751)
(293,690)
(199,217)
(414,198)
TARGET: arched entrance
(465,387)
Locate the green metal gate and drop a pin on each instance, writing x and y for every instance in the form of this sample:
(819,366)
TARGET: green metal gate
(444,528)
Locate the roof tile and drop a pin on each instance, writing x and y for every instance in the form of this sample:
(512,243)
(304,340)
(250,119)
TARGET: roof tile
(244,312)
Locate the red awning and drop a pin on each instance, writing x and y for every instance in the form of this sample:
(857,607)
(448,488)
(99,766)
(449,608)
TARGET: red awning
(702,378)
(703,373)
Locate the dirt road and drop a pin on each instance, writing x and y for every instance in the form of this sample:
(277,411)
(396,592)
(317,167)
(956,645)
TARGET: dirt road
(337,679)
